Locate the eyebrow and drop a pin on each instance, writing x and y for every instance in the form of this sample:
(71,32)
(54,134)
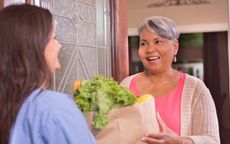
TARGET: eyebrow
(157,38)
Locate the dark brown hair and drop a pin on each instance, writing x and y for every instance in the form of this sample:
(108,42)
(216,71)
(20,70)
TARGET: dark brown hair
(24,33)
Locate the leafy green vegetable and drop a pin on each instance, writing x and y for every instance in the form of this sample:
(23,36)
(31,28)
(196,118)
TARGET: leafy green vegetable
(100,95)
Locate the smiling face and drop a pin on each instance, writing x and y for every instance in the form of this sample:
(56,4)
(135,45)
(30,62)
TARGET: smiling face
(156,53)
(51,52)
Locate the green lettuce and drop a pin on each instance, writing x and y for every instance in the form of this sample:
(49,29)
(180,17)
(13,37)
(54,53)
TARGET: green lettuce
(100,95)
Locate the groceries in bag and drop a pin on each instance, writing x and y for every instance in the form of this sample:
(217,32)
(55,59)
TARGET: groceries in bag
(114,114)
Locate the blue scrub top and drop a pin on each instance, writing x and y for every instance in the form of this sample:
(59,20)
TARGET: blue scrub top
(49,117)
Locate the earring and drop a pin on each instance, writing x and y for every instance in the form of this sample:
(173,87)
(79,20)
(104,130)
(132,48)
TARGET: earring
(174,59)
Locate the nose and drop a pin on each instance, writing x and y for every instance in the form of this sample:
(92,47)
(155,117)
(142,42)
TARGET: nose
(150,48)
(59,45)
(58,66)
(150,51)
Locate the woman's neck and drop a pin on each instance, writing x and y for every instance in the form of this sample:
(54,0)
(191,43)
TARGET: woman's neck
(161,76)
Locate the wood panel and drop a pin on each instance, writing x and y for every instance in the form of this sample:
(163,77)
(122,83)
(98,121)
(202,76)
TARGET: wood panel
(1,4)
(120,62)
(216,77)
(28,1)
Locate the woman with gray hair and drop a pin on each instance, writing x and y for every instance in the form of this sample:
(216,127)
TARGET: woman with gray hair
(185,109)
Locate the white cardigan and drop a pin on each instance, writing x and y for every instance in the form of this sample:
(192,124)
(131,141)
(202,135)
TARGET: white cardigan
(198,113)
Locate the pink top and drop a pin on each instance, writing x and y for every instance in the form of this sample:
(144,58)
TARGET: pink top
(168,106)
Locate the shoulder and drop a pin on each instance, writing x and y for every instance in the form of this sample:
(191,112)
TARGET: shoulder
(44,101)
(62,117)
(126,81)
(56,97)
(190,78)
(51,98)
(51,116)
(54,110)
(195,88)
(192,81)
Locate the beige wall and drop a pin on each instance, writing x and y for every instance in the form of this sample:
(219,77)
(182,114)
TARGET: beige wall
(194,18)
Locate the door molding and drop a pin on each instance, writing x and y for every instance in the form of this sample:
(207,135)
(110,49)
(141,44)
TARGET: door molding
(119,40)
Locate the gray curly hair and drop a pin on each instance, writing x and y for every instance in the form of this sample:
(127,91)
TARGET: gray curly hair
(163,26)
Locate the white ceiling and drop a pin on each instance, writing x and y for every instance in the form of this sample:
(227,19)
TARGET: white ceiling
(189,18)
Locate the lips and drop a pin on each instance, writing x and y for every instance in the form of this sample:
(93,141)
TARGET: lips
(152,58)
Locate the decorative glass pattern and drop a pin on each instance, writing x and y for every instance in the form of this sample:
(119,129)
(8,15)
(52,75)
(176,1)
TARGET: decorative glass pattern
(83,29)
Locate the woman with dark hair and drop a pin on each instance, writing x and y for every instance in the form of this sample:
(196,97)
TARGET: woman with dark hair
(186,111)
(29,112)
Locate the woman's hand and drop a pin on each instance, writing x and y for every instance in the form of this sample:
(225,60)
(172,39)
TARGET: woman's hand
(166,136)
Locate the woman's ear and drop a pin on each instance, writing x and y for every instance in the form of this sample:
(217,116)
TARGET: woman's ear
(176,46)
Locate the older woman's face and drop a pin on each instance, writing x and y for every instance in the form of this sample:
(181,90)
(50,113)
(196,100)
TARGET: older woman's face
(156,53)
(51,52)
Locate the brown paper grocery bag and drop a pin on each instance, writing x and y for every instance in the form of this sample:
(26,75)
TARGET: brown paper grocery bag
(127,125)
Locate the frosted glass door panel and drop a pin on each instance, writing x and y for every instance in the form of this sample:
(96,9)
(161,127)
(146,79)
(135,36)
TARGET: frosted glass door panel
(83,29)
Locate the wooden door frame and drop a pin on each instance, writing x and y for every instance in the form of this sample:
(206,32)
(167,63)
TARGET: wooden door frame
(119,41)
(1,4)
(28,1)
